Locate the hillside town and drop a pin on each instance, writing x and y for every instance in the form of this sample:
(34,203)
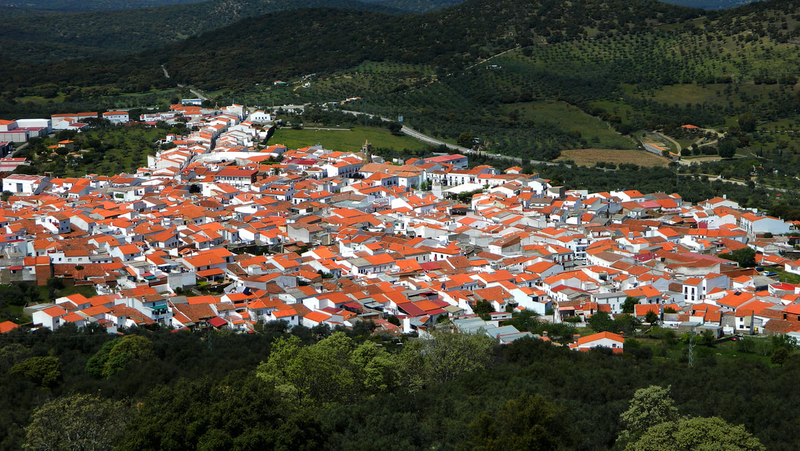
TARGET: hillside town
(217,232)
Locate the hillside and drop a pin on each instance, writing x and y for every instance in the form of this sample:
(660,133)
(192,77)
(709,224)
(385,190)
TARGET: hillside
(499,71)
(711,4)
(97,29)
(92,5)
(57,37)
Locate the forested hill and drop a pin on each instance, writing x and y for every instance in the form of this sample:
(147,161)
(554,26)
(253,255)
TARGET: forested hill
(58,37)
(90,5)
(313,40)
(64,36)
(417,6)
(711,4)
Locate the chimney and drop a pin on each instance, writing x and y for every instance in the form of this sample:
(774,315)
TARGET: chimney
(544,333)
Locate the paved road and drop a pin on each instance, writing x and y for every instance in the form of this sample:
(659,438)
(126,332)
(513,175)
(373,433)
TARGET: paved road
(16,149)
(416,134)
(667,138)
(715,178)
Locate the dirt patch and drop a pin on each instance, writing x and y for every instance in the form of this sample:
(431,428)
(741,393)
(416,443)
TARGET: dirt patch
(588,157)
(698,160)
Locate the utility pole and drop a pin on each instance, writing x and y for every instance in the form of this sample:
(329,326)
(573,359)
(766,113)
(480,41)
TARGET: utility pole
(691,347)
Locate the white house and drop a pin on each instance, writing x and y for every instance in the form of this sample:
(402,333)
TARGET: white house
(117,117)
(259,117)
(25,185)
(764,224)
(615,342)
(49,317)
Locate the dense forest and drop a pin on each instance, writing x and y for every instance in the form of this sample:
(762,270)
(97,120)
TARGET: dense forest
(100,33)
(93,5)
(314,389)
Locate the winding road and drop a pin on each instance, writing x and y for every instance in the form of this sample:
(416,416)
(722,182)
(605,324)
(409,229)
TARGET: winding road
(416,134)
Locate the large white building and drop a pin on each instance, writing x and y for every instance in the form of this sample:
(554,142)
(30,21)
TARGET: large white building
(117,117)
(25,185)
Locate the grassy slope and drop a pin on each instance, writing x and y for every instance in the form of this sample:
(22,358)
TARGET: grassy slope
(344,140)
(573,118)
(588,157)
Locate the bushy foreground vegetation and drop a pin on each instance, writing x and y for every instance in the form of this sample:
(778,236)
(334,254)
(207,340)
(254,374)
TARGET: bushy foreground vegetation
(312,389)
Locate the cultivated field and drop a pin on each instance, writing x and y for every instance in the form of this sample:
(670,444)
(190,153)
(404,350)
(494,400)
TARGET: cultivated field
(588,157)
(350,140)
(570,118)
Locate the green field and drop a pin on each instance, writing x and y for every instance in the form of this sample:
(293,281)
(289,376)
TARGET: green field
(570,118)
(347,141)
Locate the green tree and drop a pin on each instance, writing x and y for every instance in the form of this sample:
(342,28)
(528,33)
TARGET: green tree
(450,355)
(483,308)
(712,434)
(394,127)
(651,318)
(746,257)
(783,341)
(602,322)
(649,407)
(707,338)
(42,371)
(333,370)
(77,422)
(726,149)
(747,122)
(779,356)
(628,305)
(117,353)
(524,423)
(465,139)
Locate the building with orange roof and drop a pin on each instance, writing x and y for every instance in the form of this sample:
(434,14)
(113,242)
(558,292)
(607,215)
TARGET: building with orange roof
(613,341)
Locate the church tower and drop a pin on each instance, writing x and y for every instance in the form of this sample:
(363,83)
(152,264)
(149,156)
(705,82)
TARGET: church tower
(366,152)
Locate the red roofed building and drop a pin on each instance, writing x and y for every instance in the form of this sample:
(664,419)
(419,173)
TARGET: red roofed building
(238,178)
(615,342)
(457,160)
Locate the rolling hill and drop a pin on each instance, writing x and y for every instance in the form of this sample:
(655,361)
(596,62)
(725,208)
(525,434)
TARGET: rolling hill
(529,78)
(90,5)
(58,37)
(47,31)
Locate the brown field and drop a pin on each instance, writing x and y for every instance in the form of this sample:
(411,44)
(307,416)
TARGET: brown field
(588,157)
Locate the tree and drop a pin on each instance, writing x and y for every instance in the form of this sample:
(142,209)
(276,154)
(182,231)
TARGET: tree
(783,341)
(746,257)
(465,139)
(602,322)
(628,305)
(483,308)
(726,149)
(713,434)
(333,370)
(747,122)
(649,407)
(524,423)
(117,353)
(77,422)
(779,356)
(446,356)
(394,127)
(651,318)
(42,371)
(707,338)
